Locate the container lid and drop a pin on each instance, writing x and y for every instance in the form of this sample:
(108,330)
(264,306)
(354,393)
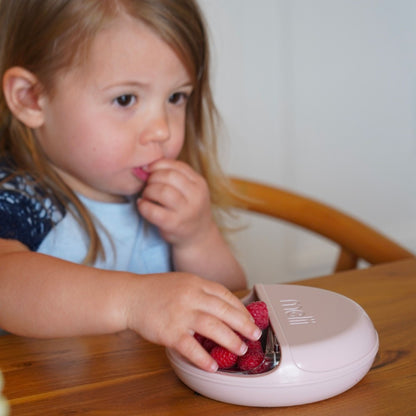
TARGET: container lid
(318,330)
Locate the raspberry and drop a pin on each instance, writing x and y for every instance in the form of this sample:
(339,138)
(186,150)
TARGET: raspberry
(254,346)
(250,360)
(259,312)
(207,343)
(224,358)
(200,338)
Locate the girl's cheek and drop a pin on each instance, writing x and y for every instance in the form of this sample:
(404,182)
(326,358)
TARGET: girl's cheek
(176,149)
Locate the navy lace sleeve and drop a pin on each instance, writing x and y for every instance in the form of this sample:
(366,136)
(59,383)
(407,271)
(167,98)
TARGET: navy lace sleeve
(24,215)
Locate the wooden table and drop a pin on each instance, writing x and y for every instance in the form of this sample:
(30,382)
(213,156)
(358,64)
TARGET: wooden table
(122,374)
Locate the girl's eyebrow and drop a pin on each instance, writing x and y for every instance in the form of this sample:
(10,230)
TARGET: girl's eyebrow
(187,84)
(118,84)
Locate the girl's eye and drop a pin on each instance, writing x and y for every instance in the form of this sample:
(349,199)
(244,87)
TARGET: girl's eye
(125,100)
(178,98)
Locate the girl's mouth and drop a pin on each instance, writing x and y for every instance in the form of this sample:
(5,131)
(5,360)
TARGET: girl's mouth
(141,173)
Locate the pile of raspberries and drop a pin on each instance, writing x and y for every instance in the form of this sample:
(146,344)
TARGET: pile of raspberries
(253,361)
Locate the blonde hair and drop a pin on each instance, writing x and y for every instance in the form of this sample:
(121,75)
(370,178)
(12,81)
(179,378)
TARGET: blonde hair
(48,36)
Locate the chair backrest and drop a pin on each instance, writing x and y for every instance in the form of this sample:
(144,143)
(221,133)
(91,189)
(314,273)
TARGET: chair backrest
(356,239)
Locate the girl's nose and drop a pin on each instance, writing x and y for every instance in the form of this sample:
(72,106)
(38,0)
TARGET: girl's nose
(156,129)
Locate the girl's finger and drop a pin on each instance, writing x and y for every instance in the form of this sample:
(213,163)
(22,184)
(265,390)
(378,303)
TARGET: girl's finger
(237,319)
(190,348)
(174,165)
(153,212)
(220,333)
(176,179)
(165,195)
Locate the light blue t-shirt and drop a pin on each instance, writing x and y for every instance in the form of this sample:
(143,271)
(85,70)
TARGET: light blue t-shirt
(130,243)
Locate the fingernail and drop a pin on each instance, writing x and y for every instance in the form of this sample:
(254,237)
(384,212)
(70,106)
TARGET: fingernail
(214,367)
(243,349)
(257,333)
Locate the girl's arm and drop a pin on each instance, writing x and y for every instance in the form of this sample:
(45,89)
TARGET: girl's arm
(211,258)
(43,296)
(176,199)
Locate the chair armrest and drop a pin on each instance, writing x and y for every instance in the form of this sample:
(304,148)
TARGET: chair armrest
(354,237)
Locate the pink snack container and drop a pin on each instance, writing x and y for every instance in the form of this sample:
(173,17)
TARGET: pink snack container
(326,343)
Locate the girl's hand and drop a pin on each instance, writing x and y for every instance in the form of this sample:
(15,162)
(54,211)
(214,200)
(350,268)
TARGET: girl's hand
(176,199)
(169,310)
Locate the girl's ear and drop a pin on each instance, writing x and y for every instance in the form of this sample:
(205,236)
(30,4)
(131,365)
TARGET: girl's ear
(22,92)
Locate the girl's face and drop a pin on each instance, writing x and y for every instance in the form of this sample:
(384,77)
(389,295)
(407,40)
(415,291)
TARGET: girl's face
(116,113)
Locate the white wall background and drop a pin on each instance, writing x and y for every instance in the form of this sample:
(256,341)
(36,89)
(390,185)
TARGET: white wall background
(318,96)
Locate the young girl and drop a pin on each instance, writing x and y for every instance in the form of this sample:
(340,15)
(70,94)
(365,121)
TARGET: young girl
(108,176)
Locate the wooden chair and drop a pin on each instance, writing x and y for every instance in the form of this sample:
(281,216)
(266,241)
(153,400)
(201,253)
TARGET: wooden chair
(356,239)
